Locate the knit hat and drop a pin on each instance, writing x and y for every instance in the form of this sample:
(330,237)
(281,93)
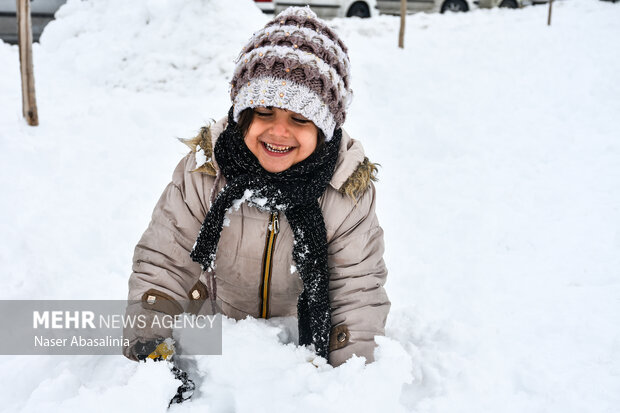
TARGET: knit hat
(295,62)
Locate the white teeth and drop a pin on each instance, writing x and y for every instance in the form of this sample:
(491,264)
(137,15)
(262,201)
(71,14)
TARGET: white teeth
(279,149)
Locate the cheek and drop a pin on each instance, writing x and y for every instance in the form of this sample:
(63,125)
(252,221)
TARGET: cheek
(308,144)
(251,139)
(313,138)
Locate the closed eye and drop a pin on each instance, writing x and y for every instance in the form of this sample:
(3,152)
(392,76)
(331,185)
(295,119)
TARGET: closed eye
(263,114)
(301,121)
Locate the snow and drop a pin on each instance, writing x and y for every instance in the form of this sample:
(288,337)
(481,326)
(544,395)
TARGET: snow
(259,201)
(499,195)
(200,156)
(247,194)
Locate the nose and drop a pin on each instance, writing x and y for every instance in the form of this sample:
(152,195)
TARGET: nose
(279,127)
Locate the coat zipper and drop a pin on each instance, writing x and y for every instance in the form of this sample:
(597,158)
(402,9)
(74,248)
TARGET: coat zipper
(272,234)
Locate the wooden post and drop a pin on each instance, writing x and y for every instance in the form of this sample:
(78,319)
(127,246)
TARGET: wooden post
(403,15)
(549,17)
(24,36)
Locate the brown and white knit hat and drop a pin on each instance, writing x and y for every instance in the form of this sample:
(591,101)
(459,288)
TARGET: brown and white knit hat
(295,62)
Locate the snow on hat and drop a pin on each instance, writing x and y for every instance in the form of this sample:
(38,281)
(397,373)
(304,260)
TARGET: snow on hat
(295,62)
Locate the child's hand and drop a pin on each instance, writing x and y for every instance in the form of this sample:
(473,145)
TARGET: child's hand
(157,350)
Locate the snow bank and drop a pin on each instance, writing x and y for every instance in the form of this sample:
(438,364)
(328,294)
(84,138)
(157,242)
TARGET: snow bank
(180,46)
(499,196)
(271,373)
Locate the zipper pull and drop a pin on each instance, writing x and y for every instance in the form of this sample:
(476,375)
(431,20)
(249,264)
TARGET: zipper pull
(275,223)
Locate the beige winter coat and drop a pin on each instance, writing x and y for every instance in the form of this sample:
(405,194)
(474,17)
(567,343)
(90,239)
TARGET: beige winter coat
(162,266)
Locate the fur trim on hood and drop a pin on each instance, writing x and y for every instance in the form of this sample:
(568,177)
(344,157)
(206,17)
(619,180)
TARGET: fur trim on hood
(356,184)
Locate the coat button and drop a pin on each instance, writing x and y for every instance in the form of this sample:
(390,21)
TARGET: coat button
(342,337)
(195,294)
(151,299)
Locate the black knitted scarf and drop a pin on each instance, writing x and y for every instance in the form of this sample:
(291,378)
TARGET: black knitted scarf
(294,192)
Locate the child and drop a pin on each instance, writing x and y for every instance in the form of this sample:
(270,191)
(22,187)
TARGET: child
(277,200)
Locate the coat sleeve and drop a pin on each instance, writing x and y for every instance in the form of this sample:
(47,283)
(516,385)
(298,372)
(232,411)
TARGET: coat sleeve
(163,274)
(357,274)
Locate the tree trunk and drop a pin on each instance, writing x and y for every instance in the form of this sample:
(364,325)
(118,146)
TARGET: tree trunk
(24,36)
(403,15)
(549,17)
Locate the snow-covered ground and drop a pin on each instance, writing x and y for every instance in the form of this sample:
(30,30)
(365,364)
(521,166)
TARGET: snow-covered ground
(499,142)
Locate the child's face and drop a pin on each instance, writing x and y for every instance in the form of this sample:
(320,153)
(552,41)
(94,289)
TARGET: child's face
(280,138)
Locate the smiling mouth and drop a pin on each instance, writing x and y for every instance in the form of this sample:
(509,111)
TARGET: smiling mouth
(277,148)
